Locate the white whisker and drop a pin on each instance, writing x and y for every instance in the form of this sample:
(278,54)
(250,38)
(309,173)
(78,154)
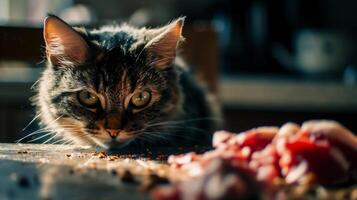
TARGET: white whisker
(38,138)
(33,133)
(31,121)
(183,121)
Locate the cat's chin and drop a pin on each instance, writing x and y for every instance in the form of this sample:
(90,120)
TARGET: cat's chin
(117,145)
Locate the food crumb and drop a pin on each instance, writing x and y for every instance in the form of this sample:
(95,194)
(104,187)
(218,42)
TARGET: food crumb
(23,182)
(113,172)
(161,157)
(127,177)
(93,165)
(113,158)
(22,152)
(71,171)
(102,155)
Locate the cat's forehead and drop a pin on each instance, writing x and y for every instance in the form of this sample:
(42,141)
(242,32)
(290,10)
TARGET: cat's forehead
(121,47)
(112,87)
(111,75)
(109,37)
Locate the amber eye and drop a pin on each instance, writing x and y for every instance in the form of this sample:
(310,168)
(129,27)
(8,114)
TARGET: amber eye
(141,99)
(87,99)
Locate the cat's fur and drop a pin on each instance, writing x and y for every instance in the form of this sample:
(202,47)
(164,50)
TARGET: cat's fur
(113,62)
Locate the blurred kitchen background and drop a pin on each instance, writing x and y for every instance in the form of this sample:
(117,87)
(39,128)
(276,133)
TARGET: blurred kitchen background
(269,62)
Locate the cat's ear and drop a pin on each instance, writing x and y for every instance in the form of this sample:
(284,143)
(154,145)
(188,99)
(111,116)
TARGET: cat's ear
(64,45)
(161,50)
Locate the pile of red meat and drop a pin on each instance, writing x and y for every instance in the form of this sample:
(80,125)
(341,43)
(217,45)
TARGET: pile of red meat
(256,163)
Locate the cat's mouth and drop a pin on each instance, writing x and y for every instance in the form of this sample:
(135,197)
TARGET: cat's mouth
(123,139)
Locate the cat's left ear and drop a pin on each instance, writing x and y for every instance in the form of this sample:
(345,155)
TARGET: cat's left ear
(161,50)
(64,45)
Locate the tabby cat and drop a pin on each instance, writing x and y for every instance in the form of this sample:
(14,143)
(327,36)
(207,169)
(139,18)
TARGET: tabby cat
(120,85)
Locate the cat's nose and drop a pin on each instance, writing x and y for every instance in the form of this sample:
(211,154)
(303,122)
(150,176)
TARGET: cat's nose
(113,132)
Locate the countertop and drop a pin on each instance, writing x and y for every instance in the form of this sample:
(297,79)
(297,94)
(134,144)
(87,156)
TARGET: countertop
(51,172)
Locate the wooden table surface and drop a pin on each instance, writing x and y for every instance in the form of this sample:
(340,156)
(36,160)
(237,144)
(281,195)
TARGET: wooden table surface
(51,172)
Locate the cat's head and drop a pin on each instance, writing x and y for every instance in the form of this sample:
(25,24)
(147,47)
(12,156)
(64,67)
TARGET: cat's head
(110,85)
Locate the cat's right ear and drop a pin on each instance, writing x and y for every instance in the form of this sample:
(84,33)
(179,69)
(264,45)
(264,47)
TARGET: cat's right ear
(162,49)
(64,45)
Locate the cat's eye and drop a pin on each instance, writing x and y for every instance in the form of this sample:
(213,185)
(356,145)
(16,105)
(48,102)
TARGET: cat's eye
(141,99)
(87,99)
